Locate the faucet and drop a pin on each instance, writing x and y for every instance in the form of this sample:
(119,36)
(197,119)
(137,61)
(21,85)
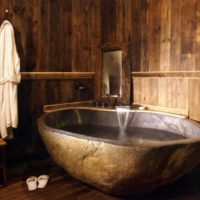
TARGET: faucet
(115,101)
(109,101)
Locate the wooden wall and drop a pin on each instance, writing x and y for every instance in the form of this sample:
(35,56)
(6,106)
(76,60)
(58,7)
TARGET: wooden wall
(51,36)
(120,24)
(164,37)
(167,76)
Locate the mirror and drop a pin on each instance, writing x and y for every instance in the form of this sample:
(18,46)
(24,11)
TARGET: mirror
(112,73)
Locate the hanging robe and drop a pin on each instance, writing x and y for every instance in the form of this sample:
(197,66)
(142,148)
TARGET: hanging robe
(9,79)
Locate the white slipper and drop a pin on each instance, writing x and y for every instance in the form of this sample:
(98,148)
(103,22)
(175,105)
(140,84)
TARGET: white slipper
(42,181)
(31,183)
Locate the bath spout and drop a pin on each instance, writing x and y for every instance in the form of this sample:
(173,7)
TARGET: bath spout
(116,102)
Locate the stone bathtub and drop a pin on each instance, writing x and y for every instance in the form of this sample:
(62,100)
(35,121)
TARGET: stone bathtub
(155,149)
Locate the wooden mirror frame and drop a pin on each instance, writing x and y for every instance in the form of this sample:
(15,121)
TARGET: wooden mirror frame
(125,98)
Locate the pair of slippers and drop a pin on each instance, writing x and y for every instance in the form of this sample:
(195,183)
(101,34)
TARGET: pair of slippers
(34,182)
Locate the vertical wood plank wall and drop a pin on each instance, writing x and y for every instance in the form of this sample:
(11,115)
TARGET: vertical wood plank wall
(51,36)
(169,43)
(164,36)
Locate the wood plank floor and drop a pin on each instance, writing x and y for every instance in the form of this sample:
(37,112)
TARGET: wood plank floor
(63,187)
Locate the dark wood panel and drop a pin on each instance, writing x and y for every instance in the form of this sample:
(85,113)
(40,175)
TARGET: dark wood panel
(67,35)
(144,66)
(136,35)
(108,21)
(95,41)
(154,15)
(120,19)
(81,37)
(188,33)
(175,59)
(45,35)
(165,37)
(55,35)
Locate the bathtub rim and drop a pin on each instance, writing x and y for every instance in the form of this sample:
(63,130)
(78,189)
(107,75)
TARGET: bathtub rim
(142,143)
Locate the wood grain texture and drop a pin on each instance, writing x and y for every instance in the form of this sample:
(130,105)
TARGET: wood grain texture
(144,65)
(57,35)
(175,60)
(189,74)
(165,43)
(154,34)
(163,34)
(162,93)
(57,75)
(194,99)
(57,43)
(136,35)
(188,31)
(62,186)
(81,34)
(109,21)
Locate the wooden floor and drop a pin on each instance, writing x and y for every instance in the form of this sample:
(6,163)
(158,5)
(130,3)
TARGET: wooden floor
(63,187)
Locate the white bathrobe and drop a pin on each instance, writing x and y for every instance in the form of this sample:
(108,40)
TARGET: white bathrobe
(9,79)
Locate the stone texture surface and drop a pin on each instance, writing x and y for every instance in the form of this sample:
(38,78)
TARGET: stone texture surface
(119,169)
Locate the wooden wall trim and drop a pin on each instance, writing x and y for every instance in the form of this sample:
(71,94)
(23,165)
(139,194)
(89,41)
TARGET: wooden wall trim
(192,74)
(57,75)
(56,107)
(176,111)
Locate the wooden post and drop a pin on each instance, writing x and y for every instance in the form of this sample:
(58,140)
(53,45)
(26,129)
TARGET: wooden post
(3,162)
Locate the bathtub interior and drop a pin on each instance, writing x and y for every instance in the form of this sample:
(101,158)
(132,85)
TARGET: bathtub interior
(106,121)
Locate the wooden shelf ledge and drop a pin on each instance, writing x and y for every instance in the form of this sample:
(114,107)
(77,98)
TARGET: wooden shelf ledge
(57,75)
(56,107)
(186,74)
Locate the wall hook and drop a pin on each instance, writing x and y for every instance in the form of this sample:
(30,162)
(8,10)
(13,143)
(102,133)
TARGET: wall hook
(7,14)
